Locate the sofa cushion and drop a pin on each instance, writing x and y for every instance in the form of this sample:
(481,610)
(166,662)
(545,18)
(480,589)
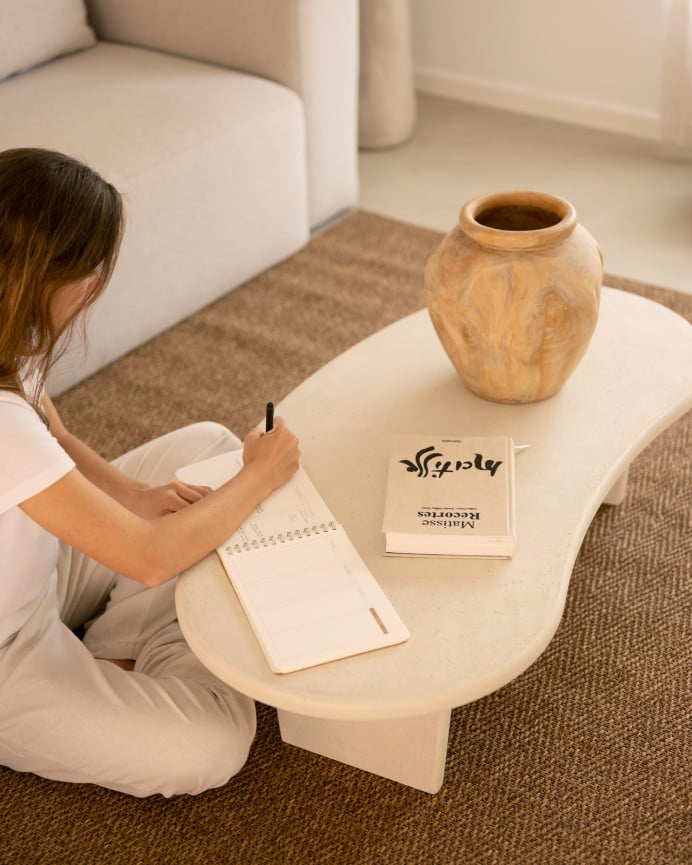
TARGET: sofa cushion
(310,46)
(34,31)
(211,163)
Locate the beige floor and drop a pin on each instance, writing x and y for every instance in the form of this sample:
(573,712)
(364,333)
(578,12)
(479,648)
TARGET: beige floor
(634,198)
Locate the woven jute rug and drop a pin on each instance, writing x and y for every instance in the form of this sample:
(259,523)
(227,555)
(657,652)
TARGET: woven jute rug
(585,758)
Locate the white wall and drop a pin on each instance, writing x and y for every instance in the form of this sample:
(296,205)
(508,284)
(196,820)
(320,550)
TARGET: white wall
(593,62)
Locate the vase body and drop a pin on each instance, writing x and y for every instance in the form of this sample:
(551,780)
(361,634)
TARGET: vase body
(513,292)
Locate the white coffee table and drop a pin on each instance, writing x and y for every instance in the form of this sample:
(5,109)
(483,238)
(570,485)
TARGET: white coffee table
(475,624)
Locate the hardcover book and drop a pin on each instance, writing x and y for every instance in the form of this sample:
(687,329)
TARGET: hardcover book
(307,593)
(450,496)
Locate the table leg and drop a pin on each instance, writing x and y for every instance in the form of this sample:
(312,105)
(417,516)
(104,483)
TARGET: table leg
(616,494)
(411,751)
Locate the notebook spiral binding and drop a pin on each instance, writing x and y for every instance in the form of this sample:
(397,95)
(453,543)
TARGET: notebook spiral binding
(282,538)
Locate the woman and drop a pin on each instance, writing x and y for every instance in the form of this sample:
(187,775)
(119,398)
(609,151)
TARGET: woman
(91,547)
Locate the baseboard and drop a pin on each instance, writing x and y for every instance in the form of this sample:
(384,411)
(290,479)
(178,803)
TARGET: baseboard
(537,103)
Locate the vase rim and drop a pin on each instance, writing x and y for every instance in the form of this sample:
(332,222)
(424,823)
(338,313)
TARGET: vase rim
(560,219)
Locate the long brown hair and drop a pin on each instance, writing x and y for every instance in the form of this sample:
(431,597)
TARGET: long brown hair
(59,222)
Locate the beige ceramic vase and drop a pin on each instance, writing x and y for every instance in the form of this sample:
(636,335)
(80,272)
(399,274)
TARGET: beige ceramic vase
(513,292)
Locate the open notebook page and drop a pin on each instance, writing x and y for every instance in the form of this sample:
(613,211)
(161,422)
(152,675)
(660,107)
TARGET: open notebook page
(307,593)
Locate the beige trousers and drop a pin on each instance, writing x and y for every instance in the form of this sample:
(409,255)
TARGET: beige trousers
(170,726)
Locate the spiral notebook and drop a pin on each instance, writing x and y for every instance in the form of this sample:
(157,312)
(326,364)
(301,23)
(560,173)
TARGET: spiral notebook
(308,595)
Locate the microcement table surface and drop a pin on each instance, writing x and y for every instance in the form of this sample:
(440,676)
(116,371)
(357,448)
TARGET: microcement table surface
(475,624)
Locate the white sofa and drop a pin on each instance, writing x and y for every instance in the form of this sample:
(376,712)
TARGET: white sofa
(230,126)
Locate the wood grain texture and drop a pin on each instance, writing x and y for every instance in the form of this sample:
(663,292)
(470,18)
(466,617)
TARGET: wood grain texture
(513,292)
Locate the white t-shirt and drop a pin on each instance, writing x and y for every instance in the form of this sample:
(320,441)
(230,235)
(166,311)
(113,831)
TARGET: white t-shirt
(30,461)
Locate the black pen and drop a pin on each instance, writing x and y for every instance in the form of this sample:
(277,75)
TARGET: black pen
(269,423)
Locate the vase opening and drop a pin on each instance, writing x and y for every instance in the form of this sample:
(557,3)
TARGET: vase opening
(517,220)
(518,217)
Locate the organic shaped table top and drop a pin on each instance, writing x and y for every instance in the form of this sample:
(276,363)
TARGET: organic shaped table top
(475,623)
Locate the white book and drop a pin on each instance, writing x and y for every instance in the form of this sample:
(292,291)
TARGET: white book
(308,595)
(450,496)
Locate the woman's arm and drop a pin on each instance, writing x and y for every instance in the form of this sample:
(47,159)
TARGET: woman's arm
(141,498)
(152,551)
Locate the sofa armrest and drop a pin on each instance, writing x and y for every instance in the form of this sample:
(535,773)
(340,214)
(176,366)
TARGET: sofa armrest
(310,46)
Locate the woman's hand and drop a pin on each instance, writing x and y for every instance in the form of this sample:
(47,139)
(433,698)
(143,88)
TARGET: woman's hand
(150,502)
(275,455)
(140,498)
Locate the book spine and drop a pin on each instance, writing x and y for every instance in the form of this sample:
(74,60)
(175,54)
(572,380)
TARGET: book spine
(239,548)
